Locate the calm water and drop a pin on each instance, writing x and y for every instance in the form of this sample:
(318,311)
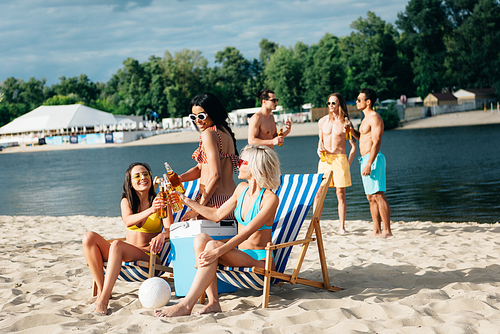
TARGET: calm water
(446,174)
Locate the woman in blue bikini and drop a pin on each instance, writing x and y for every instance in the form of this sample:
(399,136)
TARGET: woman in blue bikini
(255,207)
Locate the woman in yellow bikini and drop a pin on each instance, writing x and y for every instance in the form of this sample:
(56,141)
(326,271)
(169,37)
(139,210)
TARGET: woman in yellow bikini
(216,156)
(144,232)
(256,207)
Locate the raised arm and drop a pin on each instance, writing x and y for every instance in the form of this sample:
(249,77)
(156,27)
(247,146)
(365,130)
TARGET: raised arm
(211,213)
(138,219)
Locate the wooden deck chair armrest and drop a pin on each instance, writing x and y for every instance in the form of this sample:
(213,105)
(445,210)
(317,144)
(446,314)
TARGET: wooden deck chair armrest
(291,243)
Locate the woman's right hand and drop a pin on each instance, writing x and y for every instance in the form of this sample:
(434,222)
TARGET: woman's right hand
(158,203)
(190,215)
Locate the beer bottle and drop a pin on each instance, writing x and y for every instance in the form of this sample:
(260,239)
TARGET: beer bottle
(174,179)
(280,133)
(348,134)
(175,200)
(162,213)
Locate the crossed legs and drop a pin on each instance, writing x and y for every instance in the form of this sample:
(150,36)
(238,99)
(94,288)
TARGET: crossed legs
(205,279)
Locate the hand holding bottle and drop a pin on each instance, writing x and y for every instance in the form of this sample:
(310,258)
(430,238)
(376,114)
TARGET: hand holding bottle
(347,129)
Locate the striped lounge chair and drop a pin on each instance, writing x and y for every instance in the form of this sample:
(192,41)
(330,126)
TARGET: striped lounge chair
(139,271)
(296,194)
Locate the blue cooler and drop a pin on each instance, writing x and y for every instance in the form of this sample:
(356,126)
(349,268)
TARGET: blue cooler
(183,262)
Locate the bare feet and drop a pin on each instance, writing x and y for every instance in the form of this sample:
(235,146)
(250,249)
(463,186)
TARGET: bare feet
(101,307)
(380,235)
(210,308)
(173,311)
(342,231)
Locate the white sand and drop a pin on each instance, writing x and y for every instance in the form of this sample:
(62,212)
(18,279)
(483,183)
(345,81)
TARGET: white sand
(429,278)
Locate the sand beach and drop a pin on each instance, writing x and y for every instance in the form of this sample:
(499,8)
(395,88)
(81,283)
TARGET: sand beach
(431,277)
(428,278)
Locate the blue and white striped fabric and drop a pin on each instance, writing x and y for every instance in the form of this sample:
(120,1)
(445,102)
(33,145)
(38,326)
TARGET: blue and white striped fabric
(296,194)
(131,271)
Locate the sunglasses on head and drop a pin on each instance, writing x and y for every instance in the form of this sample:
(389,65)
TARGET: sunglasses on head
(201,116)
(242,162)
(332,103)
(137,176)
(274,100)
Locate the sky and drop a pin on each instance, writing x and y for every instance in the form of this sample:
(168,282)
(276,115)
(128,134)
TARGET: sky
(53,38)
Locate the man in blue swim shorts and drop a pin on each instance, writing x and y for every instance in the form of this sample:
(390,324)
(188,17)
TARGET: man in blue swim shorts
(373,162)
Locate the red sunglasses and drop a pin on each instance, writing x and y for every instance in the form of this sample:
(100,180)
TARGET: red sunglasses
(242,162)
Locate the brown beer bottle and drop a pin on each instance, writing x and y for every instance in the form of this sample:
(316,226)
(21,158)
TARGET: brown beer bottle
(348,134)
(280,133)
(162,213)
(174,179)
(175,200)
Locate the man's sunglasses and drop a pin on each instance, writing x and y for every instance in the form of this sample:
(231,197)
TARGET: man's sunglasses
(242,162)
(201,116)
(137,176)
(274,100)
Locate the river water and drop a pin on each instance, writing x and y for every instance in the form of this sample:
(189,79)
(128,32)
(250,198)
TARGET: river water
(439,175)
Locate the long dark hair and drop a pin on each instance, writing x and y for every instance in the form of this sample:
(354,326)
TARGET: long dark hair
(129,193)
(343,106)
(215,110)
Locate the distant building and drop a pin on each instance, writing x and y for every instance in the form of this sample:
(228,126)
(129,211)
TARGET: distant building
(481,95)
(439,99)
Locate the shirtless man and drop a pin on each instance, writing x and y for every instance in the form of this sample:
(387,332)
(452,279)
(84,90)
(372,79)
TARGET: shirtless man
(261,128)
(332,152)
(373,162)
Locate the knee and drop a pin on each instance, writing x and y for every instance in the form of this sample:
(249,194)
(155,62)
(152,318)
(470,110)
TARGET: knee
(115,246)
(201,240)
(88,239)
(212,244)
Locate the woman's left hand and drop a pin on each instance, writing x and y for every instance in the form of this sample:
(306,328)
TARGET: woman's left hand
(207,257)
(156,244)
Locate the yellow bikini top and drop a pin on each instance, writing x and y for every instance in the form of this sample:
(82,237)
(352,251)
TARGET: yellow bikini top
(152,225)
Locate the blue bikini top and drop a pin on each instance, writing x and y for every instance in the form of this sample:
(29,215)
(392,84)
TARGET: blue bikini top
(253,211)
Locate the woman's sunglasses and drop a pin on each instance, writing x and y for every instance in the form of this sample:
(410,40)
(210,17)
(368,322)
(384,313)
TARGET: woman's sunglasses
(242,162)
(137,176)
(332,103)
(201,116)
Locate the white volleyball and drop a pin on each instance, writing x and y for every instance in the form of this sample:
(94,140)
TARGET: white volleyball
(154,292)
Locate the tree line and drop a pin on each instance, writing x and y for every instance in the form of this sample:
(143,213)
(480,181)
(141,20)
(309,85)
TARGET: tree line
(434,46)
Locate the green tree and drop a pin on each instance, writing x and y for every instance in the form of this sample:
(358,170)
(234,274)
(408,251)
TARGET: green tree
(85,90)
(371,58)
(473,59)
(425,25)
(184,75)
(58,100)
(323,71)
(284,74)
(267,49)
(233,75)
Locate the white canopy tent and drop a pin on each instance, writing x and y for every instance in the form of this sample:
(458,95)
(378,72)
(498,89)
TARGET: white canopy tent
(52,118)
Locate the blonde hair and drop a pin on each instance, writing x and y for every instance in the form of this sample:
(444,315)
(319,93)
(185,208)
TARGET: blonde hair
(263,164)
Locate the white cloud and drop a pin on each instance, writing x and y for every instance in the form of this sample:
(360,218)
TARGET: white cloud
(50,38)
